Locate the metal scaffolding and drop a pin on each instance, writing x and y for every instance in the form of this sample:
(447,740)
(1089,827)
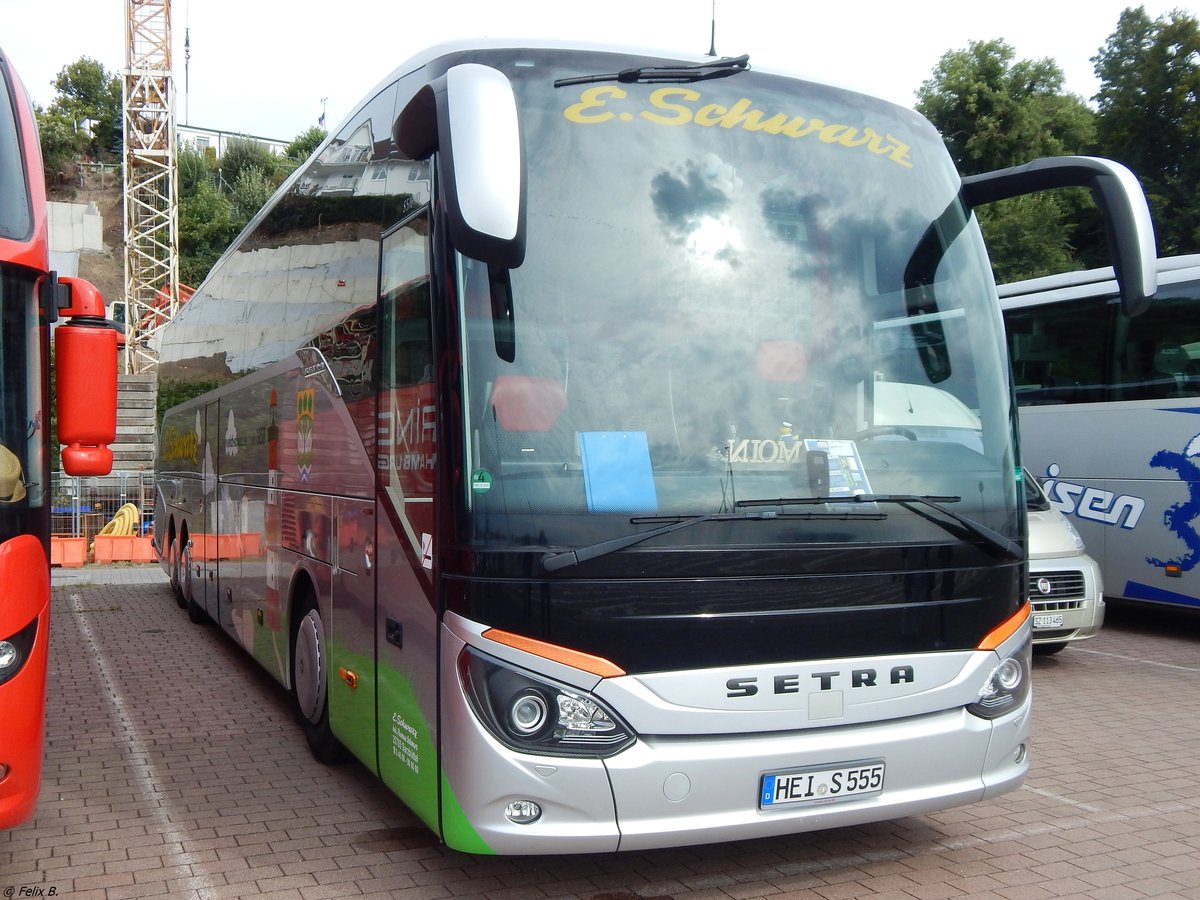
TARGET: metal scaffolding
(151,197)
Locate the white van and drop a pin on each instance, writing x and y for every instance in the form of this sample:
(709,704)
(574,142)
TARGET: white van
(1065,586)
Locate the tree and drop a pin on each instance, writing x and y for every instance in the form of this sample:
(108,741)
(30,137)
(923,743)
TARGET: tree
(60,145)
(249,193)
(994,113)
(206,227)
(305,143)
(245,153)
(194,167)
(1149,116)
(86,91)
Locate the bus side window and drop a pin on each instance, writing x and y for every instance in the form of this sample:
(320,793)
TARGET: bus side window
(407,400)
(1165,341)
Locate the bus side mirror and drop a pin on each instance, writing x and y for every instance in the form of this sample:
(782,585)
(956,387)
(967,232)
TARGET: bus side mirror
(1117,193)
(85,386)
(469,116)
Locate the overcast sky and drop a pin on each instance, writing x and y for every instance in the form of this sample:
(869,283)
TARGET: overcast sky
(263,67)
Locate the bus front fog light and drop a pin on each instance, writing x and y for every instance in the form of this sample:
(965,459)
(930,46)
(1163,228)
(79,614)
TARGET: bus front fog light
(9,656)
(523,812)
(1019,754)
(3,771)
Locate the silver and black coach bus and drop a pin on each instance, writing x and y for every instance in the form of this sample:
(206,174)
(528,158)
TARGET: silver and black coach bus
(568,460)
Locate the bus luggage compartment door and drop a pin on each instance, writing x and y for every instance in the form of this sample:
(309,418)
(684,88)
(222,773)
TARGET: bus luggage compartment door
(352,631)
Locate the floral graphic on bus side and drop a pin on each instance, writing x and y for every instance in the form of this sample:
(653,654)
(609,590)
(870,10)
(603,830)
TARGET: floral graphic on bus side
(306,404)
(1179,516)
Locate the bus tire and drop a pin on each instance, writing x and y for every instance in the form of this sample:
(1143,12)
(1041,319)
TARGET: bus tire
(195,611)
(310,681)
(176,581)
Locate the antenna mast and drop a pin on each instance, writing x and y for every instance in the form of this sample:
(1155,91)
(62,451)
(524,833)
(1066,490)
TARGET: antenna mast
(712,47)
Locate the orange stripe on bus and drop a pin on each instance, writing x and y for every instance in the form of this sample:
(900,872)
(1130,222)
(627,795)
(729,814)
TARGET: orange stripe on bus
(576,659)
(1005,629)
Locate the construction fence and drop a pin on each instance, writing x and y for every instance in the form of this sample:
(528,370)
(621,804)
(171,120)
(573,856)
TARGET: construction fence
(107,518)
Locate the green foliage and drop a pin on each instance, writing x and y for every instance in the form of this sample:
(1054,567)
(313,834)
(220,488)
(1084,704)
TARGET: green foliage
(241,154)
(61,145)
(84,119)
(194,168)
(88,91)
(249,191)
(305,143)
(1029,236)
(994,113)
(1149,116)
(206,227)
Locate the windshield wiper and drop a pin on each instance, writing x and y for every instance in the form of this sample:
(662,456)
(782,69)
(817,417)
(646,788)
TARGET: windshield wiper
(552,562)
(993,539)
(718,68)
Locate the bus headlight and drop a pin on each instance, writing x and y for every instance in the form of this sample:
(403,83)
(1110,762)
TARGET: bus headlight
(15,650)
(533,714)
(1007,686)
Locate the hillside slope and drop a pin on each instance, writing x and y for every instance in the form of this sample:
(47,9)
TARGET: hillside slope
(105,270)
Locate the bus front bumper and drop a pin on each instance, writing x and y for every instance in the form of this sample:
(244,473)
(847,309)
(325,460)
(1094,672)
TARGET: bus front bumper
(682,790)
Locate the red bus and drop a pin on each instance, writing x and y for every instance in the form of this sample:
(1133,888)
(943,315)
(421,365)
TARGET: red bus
(32,300)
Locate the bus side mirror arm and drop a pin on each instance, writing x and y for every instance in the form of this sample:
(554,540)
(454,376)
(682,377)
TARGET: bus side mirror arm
(469,116)
(1116,192)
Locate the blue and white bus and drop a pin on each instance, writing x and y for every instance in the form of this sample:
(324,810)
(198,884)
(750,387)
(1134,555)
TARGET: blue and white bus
(1110,420)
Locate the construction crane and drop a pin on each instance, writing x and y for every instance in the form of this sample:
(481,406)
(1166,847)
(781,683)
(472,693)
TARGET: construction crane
(151,181)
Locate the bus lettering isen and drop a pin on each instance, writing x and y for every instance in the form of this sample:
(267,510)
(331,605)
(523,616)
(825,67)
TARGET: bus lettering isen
(621,487)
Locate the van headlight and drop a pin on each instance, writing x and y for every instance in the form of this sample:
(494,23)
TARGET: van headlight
(1007,686)
(1076,537)
(533,714)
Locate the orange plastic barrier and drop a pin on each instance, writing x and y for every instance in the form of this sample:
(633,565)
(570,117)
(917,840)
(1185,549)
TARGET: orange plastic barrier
(122,548)
(68,552)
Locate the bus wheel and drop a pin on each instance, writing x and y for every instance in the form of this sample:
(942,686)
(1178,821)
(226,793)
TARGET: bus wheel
(176,582)
(310,678)
(195,611)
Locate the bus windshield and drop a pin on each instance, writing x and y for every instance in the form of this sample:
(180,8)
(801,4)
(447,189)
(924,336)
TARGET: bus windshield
(737,289)
(21,418)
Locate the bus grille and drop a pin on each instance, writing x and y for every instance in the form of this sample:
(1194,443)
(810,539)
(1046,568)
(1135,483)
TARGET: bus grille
(1066,590)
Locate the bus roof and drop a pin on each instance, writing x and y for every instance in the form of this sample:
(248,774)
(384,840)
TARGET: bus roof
(436,51)
(1089,283)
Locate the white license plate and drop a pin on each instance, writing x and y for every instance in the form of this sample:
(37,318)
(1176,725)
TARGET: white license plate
(1048,620)
(822,785)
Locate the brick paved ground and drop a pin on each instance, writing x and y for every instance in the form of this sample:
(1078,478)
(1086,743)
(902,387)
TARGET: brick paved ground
(174,769)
